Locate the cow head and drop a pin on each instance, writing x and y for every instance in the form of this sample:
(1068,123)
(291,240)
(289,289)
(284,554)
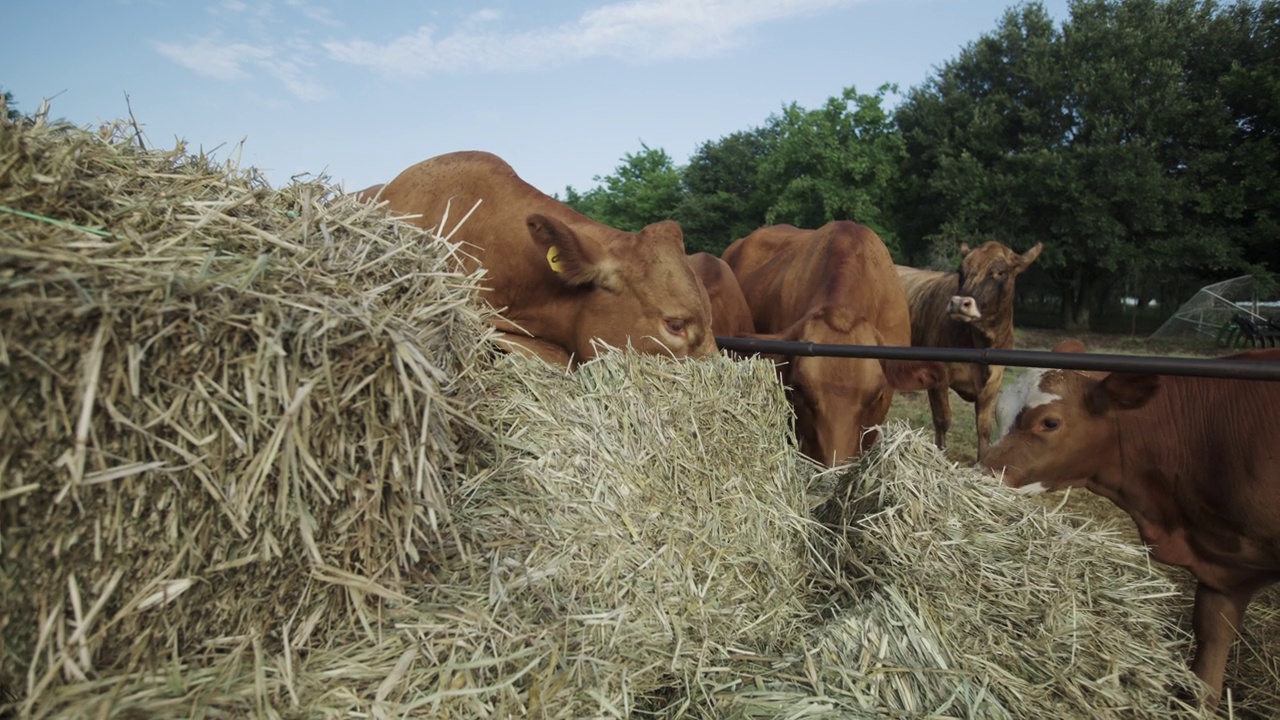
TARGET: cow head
(1057,428)
(838,401)
(627,287)
(987,274)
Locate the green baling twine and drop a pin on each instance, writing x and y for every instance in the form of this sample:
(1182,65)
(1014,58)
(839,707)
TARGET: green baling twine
(57,222)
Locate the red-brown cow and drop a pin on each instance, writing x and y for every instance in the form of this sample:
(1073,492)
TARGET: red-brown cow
(831,285)
(562,281)
(987,274)
(730,314)
(1194,461)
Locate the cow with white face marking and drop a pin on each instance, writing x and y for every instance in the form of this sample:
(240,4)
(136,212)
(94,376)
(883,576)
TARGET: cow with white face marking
(1194,461)
(978,303)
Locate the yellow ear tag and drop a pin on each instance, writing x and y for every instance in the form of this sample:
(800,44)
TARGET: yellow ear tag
(553,259)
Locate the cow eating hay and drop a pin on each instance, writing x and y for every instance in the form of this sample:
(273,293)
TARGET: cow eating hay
(257,458)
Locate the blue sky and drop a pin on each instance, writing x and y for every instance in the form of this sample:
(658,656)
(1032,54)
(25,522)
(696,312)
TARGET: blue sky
(561,89)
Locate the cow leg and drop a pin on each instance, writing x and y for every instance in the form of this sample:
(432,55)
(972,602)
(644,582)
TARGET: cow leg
(940,408)
(1215,620)
(984,409)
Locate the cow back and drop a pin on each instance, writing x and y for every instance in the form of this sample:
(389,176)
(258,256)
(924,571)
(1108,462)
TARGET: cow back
(730,314)
(787,273)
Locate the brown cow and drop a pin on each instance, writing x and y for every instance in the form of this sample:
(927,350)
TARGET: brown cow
(987,274)
(562,281)
(831,285)
(369,194)
(1194,461)
(730,314)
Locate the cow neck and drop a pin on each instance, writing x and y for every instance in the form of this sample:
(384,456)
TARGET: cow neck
(1133,479)
(550,316)
(997,327)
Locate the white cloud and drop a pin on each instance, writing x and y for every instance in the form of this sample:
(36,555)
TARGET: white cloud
(487,15)
(297,81)
(214,58)
(285,56)
(313,13)
(635,30)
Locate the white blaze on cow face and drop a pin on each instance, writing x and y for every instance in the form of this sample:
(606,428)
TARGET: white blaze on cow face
(963,308)
(1022,395)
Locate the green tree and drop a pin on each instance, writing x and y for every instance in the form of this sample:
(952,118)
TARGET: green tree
(722,198)
(838,162)
(1099,139)
(644,189)
(10,107)
(1239,69)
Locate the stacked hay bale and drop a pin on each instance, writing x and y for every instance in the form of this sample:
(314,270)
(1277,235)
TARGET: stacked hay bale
(230,414)
(257,460)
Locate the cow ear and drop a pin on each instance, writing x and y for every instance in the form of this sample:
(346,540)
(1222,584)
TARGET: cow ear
(1122,391)
(667,231)
(910,375)
(964,249)
(575,258)
(1029,256)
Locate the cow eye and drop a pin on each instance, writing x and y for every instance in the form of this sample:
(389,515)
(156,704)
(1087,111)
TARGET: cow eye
(676,326)
(1050,423)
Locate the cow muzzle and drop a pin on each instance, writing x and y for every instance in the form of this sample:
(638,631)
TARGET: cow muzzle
(963,308)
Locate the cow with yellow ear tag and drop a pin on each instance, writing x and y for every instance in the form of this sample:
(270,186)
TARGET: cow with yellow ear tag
(565,285)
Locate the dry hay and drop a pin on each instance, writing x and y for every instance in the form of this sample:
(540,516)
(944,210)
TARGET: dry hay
(646,524)
(1044,614)
(227,414)
(360,512)
(968,601)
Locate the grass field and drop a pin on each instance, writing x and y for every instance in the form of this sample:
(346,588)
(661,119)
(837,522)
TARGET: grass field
(1254,669)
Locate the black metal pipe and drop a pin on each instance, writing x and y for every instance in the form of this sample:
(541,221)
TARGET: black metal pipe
(1201,367)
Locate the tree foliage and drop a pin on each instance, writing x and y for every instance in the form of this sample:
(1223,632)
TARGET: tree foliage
(803,167)
(644,189)
(10,106)
(1113,139)
(723,198)
(837,162)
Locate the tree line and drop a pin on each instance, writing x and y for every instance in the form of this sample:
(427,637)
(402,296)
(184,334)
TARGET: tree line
(1139,140)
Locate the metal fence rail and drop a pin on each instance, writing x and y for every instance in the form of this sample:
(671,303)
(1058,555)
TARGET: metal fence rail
(1201,367)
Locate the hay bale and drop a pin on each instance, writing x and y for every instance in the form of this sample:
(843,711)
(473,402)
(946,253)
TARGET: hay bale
(227,412)
(972,601)
(649,517)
